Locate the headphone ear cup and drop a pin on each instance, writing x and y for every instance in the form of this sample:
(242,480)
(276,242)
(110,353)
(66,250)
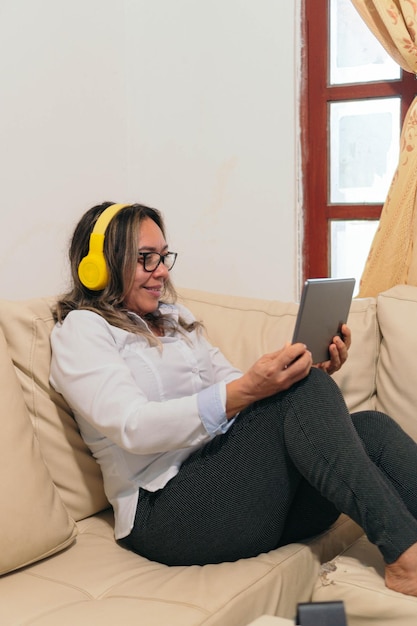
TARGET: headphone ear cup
(92,271)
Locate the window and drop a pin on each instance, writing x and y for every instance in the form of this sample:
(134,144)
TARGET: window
(354,98)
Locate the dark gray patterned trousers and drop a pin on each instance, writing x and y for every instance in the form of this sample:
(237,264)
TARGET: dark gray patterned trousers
(284,471)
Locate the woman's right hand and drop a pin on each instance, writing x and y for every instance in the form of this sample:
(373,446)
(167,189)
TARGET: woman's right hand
(270,374)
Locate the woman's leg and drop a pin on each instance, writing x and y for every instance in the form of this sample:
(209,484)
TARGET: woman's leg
(309,514)
(332,457)
(388,447)
(392,450)
(394,453)
(231,499)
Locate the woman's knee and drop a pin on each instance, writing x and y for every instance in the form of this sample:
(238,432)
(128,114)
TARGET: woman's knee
(318,379)
(372,420)
(374,427)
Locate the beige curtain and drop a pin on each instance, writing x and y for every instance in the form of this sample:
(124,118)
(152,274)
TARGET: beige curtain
(392,259)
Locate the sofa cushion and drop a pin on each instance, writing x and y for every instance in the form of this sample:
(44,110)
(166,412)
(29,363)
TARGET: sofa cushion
(356,577)
(246,328)
(33,520)
(27,326)
(98,582)
(357,377)
(397,394)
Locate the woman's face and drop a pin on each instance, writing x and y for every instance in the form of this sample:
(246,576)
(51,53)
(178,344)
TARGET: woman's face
(147,288)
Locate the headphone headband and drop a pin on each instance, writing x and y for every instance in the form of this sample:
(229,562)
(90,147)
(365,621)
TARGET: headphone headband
(106,217)
(92,270)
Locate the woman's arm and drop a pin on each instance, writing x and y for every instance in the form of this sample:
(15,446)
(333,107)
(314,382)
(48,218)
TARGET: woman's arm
(271,374)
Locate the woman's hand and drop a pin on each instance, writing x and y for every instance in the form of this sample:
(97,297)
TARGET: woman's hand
(338,352)
(270,374)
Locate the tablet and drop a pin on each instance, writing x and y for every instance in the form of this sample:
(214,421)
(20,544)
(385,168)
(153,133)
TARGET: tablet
(324,307)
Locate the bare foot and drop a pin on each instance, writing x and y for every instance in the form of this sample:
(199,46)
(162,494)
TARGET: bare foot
(402,574)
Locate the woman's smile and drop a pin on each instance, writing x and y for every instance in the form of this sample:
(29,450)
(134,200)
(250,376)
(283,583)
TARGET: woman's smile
(148,287)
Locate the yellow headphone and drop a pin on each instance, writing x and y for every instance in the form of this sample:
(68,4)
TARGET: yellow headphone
(92,270)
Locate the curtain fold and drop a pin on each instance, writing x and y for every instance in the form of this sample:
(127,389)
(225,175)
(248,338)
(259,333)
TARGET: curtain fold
(392,258)
(394,24)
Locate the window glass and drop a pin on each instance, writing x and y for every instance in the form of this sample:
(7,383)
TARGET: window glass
(364,149)
(350,243)
(356,56)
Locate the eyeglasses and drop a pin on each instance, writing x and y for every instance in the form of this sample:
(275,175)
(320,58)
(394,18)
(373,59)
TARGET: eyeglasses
(151,260)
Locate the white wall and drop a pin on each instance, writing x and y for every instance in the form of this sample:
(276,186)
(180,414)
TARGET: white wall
(187,105)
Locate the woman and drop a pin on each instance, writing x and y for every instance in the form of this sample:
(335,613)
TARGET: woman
(202,463)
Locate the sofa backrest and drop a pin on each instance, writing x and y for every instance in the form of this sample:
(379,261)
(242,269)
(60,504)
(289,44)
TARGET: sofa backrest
(397,368)
(27,327)
(33,519)
(243,328)
(246,328)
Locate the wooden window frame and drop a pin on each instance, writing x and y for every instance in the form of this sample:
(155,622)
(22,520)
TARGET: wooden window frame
(315,95)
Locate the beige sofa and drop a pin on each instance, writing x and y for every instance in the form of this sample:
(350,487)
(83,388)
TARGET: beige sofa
(59,563)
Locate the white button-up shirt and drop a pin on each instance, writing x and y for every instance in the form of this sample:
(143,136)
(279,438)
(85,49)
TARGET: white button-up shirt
(141,409)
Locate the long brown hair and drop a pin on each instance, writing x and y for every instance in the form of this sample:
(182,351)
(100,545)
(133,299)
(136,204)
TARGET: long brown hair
(121,254)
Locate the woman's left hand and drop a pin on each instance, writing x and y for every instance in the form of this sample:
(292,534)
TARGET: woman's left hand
(338,350)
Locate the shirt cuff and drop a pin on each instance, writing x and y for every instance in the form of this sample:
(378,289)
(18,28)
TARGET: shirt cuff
(212,409)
